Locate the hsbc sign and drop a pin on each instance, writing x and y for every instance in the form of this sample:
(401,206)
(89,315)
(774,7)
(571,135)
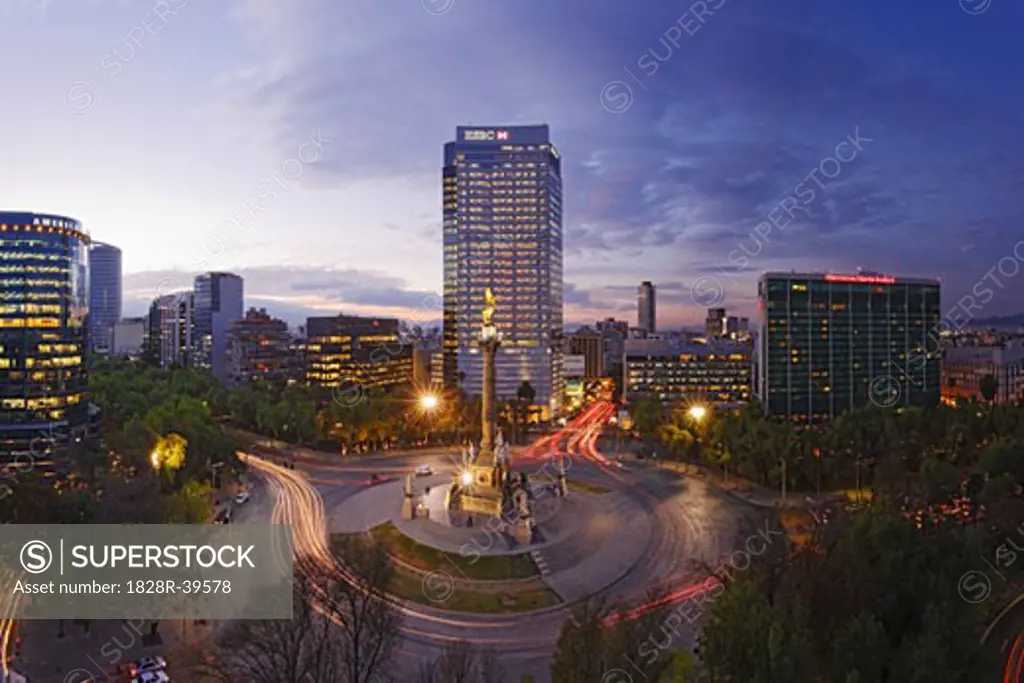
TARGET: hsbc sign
(484,135)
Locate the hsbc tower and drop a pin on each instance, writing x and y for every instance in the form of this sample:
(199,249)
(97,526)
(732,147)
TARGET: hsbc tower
(502,223)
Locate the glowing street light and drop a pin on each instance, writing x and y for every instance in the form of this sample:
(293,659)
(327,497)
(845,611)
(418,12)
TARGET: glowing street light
(154,459)
(698,413)
(428,401)
(467,478)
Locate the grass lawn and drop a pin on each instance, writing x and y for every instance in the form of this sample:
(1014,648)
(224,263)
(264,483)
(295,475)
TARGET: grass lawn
(585,487)
(470,566)
(439,589)
(504,597)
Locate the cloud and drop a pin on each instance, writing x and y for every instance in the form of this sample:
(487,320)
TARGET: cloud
(735,117)
(295,293)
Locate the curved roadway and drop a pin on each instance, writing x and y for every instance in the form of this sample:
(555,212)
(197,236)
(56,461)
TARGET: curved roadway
(692,523)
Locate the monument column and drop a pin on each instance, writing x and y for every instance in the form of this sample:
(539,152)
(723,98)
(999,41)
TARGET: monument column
(479,483)
(488,402)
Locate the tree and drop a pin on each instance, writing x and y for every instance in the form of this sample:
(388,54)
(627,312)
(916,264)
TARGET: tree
(681,668)
(525,396)
(646,414)
(369,624)
(169,454)
(599,638)
(342,629)
(276,650)
(460,663)
(191,504)
(873,606)
(1003,457)
(989,387)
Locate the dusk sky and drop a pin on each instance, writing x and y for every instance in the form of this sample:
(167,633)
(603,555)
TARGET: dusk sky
(155,122)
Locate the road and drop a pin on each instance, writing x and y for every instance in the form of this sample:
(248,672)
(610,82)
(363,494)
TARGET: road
(1005,642)
(692,523)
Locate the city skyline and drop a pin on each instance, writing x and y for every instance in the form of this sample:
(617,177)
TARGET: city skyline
(662,189)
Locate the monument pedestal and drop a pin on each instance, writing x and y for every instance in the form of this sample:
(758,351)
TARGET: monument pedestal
(483,496)
(522,531)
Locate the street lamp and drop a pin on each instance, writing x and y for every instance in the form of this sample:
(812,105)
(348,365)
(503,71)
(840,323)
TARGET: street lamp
(154,459)
(428,403)
(467,479)
(697,413)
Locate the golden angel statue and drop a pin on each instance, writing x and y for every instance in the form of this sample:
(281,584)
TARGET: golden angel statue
(489,302)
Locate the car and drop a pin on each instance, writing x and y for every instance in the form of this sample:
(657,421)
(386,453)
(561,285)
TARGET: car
(152,677)
(147,664)
(242,497)
(423,471)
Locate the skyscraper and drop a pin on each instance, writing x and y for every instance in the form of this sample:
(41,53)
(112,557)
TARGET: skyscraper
(502,210)
(831,342)
(218,302)
(104,295)
(171,337)
(44,306)
(646,312)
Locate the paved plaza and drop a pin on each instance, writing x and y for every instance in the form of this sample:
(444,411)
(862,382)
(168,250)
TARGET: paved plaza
(584,542)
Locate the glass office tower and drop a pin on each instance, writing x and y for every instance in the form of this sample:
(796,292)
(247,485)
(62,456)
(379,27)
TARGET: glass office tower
(646,314)
(219,301)
(502,222)
(831,342)
(104,295)
(44,306)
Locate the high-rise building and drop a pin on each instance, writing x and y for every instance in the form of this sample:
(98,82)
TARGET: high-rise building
(129,337)
(219,300)
(437,369)
(258,348)
(832,342)
(104,295)
(502,221)
(646,314)
(714,324)
(589,344)
(737,328)
(718,372)
(44,306)
(357,354)
(171,334)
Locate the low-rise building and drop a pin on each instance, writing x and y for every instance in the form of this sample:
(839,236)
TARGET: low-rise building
(719,372)
(423,371)
(345,351)
(589,344)
(575,367)
(964,369)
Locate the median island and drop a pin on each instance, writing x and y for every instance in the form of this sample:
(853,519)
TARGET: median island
(451,581)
